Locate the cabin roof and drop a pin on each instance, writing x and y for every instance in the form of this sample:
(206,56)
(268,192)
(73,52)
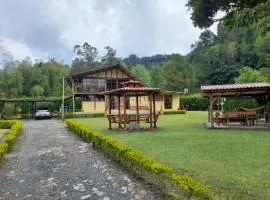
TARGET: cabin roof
(229,90)
(116,66)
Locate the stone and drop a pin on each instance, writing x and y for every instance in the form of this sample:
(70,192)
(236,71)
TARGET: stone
(123,190)
(106,198)
(137,197)
(85,197)
(142,193)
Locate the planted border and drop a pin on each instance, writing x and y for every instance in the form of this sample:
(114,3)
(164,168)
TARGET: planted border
(173,184)
(175,112)
(9,139)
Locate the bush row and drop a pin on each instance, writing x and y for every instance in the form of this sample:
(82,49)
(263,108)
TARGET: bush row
(9,139)
(81,115)
(197,103)
(174,112)
(173,184)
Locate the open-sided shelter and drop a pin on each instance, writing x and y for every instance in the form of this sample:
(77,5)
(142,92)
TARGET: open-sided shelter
(215,92)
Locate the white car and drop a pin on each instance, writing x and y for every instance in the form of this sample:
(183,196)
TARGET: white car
(43,114)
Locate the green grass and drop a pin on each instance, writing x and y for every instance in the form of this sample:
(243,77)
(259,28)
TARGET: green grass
(234,162)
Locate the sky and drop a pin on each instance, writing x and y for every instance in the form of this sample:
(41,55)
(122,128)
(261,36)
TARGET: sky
(50,28)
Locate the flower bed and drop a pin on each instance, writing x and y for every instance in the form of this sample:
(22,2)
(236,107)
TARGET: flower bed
(173,184)
(8,140)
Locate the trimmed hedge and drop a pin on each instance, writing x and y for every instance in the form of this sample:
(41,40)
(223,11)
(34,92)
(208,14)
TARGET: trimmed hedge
(80,115)
(194,102)
(173,184)
(174,112)
(9,139)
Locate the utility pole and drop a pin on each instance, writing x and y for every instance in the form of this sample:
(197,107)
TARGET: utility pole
(63,98)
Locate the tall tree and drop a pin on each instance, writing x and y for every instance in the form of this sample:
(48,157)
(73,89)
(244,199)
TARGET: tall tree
(85,55)
(179,73)
(251,13)
(110,57)
(141,72)
(157,77)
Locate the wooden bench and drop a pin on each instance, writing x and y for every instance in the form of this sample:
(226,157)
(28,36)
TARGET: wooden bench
(244,117)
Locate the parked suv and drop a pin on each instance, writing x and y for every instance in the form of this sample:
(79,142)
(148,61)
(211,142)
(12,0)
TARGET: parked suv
(43,114)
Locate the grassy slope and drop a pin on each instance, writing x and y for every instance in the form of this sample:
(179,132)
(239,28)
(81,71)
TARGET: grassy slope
(235,162)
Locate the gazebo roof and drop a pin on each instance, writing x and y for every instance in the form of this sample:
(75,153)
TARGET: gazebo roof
(229,90)
(131,91)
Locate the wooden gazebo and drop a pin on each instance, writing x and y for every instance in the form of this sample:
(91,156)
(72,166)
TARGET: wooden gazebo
(215,92)
(124,114)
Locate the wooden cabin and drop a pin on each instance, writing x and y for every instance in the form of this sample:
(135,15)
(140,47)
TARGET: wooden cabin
(91,84)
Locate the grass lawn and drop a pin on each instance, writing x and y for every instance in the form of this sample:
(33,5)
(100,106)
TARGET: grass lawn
(235,162)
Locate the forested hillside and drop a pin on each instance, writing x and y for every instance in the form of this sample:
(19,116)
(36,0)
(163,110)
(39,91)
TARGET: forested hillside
(231,55)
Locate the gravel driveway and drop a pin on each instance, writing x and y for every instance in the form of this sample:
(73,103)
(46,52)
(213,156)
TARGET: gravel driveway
(49,162)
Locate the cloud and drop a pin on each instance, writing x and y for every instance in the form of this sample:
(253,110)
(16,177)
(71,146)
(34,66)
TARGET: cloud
(52,28)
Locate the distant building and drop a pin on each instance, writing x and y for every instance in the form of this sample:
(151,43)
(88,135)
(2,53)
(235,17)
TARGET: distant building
(89,86)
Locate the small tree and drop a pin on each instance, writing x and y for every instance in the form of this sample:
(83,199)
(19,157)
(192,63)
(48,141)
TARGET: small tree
(249,75)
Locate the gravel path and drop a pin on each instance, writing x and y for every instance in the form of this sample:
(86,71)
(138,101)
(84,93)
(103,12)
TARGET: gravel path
(49,162)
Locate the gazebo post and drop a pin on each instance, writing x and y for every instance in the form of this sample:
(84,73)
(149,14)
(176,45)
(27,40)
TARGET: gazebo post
(125,112)
(119,111)
(151,111)
(137,109)
(209,110)
(110,111)
(154,110)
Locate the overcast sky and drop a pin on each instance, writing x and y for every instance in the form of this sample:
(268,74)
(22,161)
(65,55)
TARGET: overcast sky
(50,28)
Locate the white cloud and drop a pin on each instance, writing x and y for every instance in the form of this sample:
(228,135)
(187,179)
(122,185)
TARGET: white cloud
(17,49)
(143,27)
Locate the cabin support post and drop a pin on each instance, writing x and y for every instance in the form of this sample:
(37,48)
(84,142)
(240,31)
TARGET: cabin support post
(137,109)
(267,109)
(119,112)
(125,113)
(154,111)
(110,111)
(73,97)
(151,112)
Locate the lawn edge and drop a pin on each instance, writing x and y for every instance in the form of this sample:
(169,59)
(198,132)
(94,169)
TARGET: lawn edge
(10,137)
(172,184)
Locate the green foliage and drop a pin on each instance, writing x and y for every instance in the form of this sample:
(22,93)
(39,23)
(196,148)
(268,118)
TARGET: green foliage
(179,73)
(249,75)
(237,13)
(194,102)
(9,139)
(231,104)
(141,72)
(80,115)
(147,168)
(24,79)
(192,186)
(173,112)
(157,77)
(8,110)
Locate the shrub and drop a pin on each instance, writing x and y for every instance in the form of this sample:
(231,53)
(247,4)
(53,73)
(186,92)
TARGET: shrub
(174,112)
(194,102)
(173,184)
(8,140)
(80,115)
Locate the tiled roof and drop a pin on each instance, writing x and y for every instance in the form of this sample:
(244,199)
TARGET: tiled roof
(132,89)
(235,86)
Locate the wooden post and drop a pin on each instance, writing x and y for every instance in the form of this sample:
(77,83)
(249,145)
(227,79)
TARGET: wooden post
(154,110)
(267,109)
(110,111)
(125,113)
(209,110)
(151,112)
(119,112)
(73,97)
(137,109)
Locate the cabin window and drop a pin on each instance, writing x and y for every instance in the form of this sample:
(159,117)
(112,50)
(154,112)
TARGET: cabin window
(111,84)
(93,98)
(93,85)
(168,102)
